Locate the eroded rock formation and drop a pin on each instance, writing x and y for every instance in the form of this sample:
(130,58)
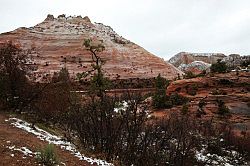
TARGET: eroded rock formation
(57,42)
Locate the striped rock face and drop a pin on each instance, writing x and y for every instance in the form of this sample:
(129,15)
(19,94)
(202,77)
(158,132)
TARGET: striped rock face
(57,42)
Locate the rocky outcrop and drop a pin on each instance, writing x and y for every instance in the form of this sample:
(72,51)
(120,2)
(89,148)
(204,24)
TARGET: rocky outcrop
(187,58)
(195,62)
(57,43)
(195,67)
(49,17)
(86,18)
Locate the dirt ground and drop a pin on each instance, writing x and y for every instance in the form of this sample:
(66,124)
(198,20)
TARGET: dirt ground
(12,136)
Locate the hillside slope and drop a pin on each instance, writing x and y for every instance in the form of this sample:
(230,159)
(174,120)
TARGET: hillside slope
(18,147)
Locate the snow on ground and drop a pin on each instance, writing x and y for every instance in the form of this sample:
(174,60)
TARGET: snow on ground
(52,139)
(215,159)
(23,150)
(122,106)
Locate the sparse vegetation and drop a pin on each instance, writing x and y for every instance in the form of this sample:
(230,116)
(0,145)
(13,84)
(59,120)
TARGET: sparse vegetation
(189,75)
(47,156)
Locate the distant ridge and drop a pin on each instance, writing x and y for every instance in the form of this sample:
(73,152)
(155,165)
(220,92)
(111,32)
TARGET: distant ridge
(197,62)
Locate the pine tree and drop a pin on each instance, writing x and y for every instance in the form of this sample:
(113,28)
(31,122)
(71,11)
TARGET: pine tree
(99,83)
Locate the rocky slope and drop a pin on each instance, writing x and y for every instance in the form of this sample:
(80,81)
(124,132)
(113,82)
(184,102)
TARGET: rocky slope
(57,42)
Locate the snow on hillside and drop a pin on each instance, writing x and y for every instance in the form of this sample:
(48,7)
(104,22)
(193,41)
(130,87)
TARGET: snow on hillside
(53,139)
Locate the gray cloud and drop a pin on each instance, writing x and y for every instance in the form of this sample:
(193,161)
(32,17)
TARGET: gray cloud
(164,27)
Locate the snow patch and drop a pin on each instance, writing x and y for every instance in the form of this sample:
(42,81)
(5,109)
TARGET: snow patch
(122,106)
(52,139)
(23,150)
(215,159)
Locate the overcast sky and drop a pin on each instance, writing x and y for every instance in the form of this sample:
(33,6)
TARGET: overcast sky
(163,27)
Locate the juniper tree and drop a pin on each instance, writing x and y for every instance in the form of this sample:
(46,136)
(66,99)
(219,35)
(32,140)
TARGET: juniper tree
(219,67)
(160,97)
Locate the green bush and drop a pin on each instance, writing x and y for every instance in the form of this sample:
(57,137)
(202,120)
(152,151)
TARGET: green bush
(224,81)
(202,74)
(218,92)
(168,104)
(160,97)
(214,147)
(159,101)
(222,108)
(189,75)
(192,89)
(47,156)
(177,99)
(219,67)
(184,109)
